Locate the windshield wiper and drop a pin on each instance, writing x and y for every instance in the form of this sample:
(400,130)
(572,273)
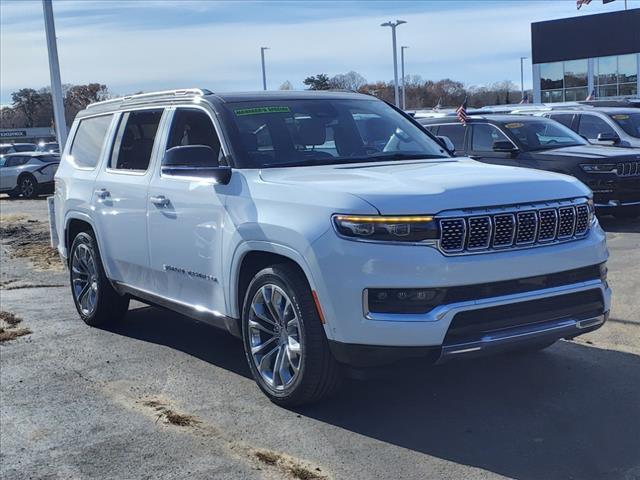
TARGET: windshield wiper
(403,156)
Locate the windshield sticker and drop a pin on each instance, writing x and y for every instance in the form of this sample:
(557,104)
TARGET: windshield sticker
(514,125)
(620,117)
(260,110)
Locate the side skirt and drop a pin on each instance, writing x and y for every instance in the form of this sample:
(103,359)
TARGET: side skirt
(211,317)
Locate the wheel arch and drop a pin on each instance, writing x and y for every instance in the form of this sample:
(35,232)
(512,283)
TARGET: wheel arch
(252,257)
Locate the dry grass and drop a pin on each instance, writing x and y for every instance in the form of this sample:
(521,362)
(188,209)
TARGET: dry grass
(30,239)
(8,327)
(170,416)
(289,466)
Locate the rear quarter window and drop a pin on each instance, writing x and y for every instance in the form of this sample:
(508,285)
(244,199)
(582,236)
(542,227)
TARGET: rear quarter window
(89,140)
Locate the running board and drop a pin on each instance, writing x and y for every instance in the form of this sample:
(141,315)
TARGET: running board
(197,312)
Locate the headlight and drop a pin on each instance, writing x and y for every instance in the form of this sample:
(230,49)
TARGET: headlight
(592,212)
(598,167)
(405,229)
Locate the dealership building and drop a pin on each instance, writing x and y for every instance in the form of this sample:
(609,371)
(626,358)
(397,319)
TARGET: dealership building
(573,57)
(27,135)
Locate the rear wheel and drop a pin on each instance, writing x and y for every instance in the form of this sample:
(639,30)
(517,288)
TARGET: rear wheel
(95,299)
(28,186)
(284,339)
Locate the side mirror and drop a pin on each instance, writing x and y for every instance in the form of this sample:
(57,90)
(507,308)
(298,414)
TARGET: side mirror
(608,137)
(504,146)
(195,161)
(447,143)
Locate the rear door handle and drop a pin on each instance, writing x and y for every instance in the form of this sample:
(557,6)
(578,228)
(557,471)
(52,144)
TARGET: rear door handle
(102,193)
(159,200)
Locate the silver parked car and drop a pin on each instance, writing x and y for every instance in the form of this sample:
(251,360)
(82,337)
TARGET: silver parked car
(27,173)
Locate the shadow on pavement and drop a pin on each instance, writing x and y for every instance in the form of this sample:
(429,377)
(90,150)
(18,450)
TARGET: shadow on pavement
(194,338)
(571,411)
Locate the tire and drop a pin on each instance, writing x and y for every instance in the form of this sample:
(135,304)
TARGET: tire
(308,372)
(98,304)
(28,186)
(626,212)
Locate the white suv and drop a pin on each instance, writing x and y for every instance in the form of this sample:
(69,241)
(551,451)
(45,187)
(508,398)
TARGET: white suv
(326,229)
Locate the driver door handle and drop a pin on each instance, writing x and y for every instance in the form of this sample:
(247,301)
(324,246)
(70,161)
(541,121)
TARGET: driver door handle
(102,193)
(159,200)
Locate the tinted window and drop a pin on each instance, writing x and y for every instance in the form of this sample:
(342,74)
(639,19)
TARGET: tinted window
(25,148)
(590,126)
(89,140)
(4,150)
(563,118)
(273,133)
(16,161)
(630,122)
(542,134)
(483,137)
(455,134)
(134,140)
(193,127)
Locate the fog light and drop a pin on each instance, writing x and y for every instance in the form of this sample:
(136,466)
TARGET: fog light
(403,300)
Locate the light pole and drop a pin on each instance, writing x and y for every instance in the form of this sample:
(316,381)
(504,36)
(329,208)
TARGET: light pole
(522,59)
(393,26)
(264,72)
(404,93)
(54,71)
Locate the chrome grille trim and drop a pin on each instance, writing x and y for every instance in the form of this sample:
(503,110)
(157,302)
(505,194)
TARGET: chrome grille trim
(628,169)
(512,227)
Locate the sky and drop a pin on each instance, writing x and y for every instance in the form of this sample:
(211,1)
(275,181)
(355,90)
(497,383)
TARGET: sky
(146,45)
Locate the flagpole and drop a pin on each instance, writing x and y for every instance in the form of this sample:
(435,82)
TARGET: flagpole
(54,71)
(522,59)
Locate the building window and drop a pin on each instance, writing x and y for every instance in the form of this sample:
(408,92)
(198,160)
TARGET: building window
(617,75)
(575,73)
(551,75)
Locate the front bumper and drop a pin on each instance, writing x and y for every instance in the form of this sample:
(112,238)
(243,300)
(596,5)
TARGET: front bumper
(614,192)
(342,270)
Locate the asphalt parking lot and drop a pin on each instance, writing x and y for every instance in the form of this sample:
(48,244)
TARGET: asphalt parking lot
(163,396)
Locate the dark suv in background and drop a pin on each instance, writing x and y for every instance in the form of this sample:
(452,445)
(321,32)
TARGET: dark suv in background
(535,142)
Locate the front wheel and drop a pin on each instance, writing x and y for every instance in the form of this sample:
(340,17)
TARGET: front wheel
(96,301)
(284,339)
(28,186)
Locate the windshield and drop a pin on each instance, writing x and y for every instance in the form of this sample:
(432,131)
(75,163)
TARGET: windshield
(324,131)
(543,134)
(630,122)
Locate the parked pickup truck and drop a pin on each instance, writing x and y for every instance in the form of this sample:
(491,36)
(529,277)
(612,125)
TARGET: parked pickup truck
(325,229)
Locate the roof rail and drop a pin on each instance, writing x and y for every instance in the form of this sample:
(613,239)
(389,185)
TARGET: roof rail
(183,92)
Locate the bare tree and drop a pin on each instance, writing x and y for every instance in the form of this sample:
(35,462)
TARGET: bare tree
(348,81)
(27,101)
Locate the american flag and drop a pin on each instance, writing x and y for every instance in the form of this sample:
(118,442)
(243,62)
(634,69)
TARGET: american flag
(525,98)
(579,3)
(461,112)
(592,95)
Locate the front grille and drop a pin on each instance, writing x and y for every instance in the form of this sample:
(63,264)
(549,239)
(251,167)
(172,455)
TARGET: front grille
(628,169)
(524,226)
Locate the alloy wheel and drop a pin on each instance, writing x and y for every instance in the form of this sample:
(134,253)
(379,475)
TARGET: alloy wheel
(274,337)
(84,279)
(27,187)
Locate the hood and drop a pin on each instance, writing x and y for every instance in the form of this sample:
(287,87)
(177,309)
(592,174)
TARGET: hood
(431,186)
(590,152)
